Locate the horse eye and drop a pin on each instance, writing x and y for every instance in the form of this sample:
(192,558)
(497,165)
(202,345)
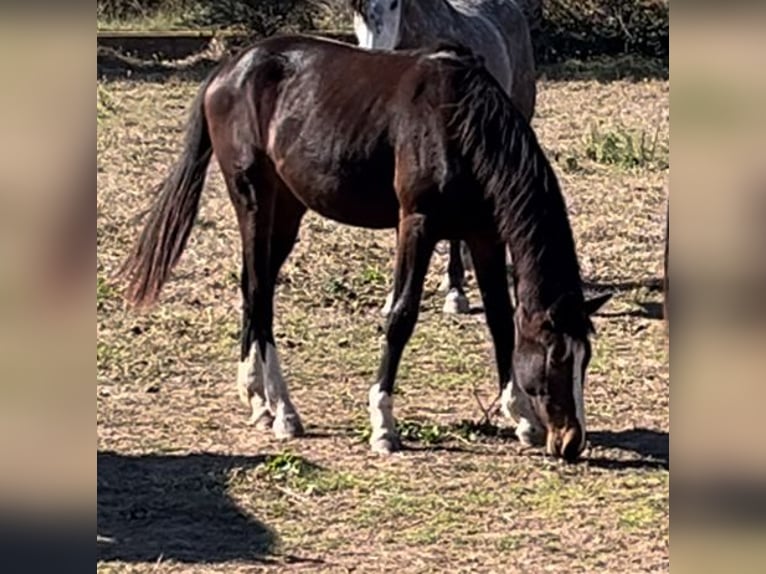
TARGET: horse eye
(394,4)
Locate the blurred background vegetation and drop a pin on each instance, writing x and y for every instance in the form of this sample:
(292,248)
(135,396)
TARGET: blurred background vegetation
(561,29)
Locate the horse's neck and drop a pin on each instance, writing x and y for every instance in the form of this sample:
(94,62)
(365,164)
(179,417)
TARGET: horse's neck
(542,247)
(539,283)
(425,21)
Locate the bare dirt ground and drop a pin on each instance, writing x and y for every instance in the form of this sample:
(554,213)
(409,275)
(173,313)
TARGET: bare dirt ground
(184,484)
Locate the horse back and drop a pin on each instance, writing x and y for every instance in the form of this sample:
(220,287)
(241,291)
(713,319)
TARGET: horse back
(348,127)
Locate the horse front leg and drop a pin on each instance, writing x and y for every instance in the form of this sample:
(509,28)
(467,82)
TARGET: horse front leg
(413,254)
(489,257)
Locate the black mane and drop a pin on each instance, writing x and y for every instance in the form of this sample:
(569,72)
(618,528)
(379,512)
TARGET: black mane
(530,211)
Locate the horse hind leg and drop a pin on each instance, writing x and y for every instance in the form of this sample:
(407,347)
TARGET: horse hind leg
(455,302)
(288,214)
(269,219)
(453,283)
(250,383)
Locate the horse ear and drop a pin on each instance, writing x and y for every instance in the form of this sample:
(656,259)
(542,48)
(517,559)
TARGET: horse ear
(556,315)
(593,305)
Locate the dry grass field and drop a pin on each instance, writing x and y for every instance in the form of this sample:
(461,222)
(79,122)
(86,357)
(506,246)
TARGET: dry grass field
(184,484)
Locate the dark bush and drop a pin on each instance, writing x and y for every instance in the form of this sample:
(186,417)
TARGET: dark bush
(561,29)
(127,9)
(260,17)
(586,28)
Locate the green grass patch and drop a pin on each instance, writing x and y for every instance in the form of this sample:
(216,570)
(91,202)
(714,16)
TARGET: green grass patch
(432,434)
(298,474)
(625,149)
(640,515)
(105,106)
(105,354)
(104,292)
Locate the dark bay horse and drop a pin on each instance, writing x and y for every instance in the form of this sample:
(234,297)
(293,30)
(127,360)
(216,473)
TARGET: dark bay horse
(423,141)
(495,30)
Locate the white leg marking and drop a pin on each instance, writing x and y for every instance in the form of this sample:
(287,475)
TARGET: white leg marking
(250,389)
(287,423)
(506,402)
(456,303)
(389,304)
(445,284)
(517,406)
(577,388)
(381,405)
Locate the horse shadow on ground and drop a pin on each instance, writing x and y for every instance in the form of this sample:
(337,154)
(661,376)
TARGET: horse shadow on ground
(650,283)
(646,309)
(652,446)
(175,507)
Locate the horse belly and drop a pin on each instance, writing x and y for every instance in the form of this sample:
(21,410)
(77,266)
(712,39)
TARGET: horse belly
(370,202)
(372,211)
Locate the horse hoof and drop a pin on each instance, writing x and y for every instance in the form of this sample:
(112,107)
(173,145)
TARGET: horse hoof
(456,303)
(385,445)
(262,421)
(529,435)
(288,426)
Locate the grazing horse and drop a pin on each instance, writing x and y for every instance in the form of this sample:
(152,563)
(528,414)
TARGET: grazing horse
(423,141)
(495,30)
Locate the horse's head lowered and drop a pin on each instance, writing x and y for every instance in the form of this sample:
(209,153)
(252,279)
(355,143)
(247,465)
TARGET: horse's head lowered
(550,361)
(376,23)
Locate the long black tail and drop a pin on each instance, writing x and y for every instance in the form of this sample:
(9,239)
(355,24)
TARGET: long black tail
(172,216)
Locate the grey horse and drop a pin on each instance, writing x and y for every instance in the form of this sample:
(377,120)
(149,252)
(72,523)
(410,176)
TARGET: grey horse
(498,32)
